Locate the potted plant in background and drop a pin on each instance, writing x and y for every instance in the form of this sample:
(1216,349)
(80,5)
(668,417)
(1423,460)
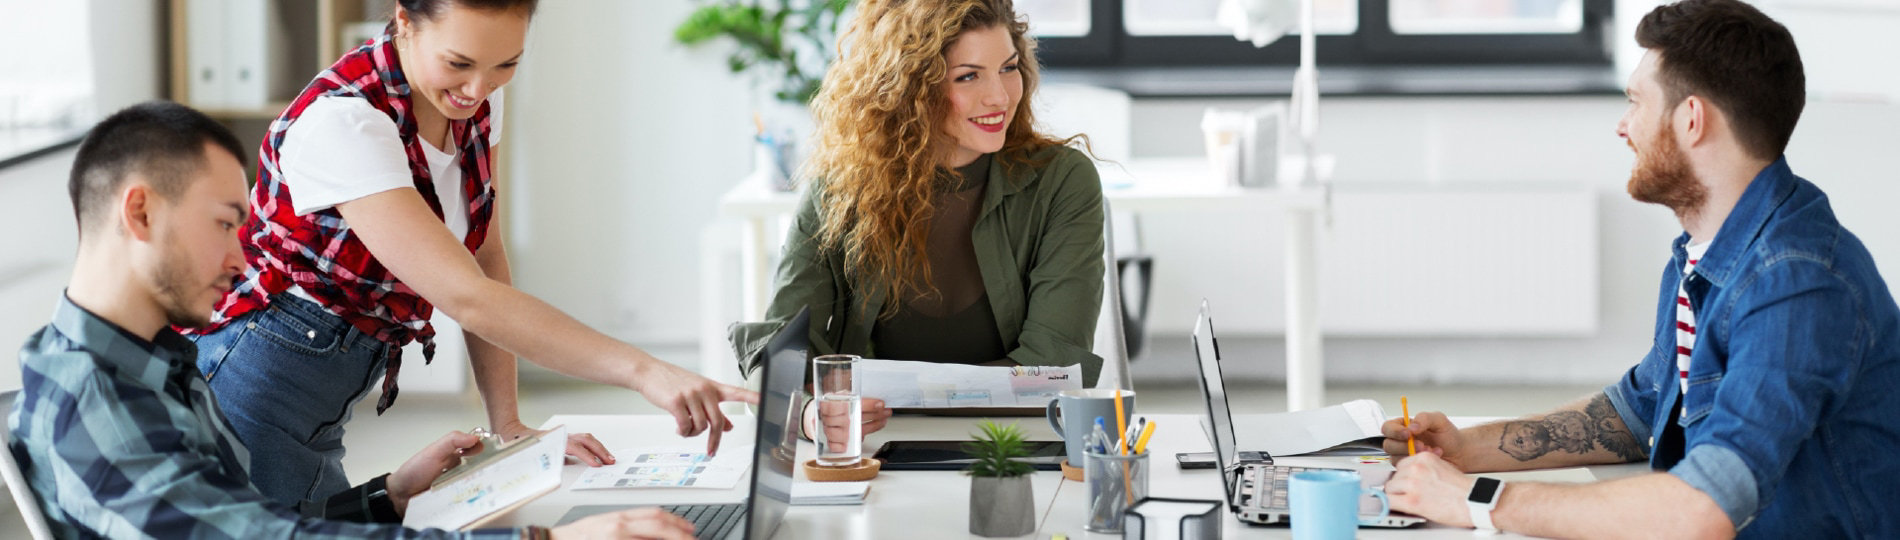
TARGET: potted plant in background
(1001,499)
(791,42)
(786,44)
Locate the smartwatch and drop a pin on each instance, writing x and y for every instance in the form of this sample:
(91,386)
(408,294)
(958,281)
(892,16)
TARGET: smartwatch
(1484,497)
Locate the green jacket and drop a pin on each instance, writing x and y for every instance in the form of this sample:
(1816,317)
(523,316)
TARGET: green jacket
(1038,240)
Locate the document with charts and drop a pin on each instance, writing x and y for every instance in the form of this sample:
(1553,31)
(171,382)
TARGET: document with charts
(497,486)
(903,383)
(670,468)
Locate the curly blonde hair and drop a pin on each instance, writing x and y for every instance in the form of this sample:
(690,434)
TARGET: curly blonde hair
(879,148)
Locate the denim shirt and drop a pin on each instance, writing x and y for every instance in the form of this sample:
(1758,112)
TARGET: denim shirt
(1793,407)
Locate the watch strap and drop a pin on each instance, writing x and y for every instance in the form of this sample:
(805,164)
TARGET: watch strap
(1481,512)
(1481,516)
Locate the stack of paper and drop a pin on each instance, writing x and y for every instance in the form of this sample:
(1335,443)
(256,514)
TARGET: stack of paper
(931,385)
(1343,428)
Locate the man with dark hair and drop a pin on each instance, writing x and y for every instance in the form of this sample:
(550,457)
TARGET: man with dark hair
(1767,405)
(115,429)
(162,144)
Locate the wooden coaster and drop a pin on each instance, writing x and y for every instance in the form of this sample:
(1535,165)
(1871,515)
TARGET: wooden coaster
(1072,473)
(866,469)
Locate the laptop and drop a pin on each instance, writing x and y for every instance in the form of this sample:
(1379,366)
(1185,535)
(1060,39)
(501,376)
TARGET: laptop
(773,457)
(1257,488)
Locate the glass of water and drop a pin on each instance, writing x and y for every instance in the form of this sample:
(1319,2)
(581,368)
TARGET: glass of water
(840,431)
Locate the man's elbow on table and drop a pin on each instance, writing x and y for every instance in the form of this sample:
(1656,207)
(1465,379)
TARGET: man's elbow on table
(1683,511)
(1703,520)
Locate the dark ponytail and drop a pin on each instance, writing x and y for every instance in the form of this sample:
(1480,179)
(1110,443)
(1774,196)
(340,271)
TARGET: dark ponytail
(423,10)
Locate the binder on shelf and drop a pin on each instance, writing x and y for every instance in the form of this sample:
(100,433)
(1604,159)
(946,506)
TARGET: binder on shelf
(237,54)
(255,53)
(204,30)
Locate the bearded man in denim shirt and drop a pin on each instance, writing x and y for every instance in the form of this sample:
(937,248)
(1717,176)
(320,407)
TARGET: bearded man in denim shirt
(1769,405)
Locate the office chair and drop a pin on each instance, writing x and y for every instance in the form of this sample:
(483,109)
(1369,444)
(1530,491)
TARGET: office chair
(1135,270)
(1111,340)
(16,480)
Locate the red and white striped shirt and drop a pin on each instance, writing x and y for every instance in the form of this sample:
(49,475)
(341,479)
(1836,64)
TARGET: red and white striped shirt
(1685,319)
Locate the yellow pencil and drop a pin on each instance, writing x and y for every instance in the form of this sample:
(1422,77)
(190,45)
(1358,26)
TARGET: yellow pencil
(1411,448)
(1121,430)
(1141,444)
(1121,422)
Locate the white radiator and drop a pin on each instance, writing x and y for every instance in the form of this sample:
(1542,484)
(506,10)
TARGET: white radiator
(1395,261)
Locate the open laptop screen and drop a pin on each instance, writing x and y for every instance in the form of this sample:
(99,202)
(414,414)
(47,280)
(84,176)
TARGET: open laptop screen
(773,460)
(1219,422)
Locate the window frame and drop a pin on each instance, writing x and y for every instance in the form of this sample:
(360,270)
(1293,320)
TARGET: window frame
(1374,43)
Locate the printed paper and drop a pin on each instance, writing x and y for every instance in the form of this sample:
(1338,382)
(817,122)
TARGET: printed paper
(931,385)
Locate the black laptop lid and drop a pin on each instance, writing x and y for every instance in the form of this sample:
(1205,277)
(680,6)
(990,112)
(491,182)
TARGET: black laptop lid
(1220,422)
(783,373)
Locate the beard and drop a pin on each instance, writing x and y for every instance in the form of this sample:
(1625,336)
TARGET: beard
(1662,176)
(177,291)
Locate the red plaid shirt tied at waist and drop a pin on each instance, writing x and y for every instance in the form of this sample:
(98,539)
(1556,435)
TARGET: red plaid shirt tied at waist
(318,252)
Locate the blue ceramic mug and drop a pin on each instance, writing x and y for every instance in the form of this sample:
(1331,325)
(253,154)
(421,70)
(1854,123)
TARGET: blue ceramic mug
(1072,414)
(1326,504)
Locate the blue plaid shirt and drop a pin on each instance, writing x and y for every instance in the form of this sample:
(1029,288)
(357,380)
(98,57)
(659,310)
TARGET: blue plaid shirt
(120,438)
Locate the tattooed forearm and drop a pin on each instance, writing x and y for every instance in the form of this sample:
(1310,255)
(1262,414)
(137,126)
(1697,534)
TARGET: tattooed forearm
(1573,432)
(1611,434)
(1525,440)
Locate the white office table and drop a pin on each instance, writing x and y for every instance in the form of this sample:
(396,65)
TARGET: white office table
(1139,185)
(901,504)
(1069,508)
(935,504)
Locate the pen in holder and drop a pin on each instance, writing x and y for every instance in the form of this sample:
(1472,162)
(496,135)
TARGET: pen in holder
(493,448)
(1115,482)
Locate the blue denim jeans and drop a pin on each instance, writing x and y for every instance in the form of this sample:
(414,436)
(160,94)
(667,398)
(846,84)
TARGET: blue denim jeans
(287,378)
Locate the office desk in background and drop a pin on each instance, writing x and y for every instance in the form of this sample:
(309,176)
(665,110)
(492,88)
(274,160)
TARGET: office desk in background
(935,504)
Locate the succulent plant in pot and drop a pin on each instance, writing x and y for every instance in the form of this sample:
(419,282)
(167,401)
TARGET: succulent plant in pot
(1001,500)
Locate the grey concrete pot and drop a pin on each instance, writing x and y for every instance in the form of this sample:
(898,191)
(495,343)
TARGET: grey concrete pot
(1002,506)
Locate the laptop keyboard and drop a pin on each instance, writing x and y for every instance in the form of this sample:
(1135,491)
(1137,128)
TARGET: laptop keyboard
(711,520)
(1275,479)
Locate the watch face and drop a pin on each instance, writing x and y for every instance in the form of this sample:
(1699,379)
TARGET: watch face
(1485,491)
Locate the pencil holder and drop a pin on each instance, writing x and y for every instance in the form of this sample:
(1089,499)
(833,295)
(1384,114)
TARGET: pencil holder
(1115,483)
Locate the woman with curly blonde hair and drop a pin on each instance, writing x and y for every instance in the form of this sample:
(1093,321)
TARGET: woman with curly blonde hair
(939,225)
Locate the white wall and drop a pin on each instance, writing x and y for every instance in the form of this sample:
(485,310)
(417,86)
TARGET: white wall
(35,255)
(623,143)
(128,53)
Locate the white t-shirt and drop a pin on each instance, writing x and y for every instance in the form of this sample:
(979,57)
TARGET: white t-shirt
(342,149)
(1685,319)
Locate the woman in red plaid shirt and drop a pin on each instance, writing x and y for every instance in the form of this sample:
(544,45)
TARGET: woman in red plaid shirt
(372,208)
